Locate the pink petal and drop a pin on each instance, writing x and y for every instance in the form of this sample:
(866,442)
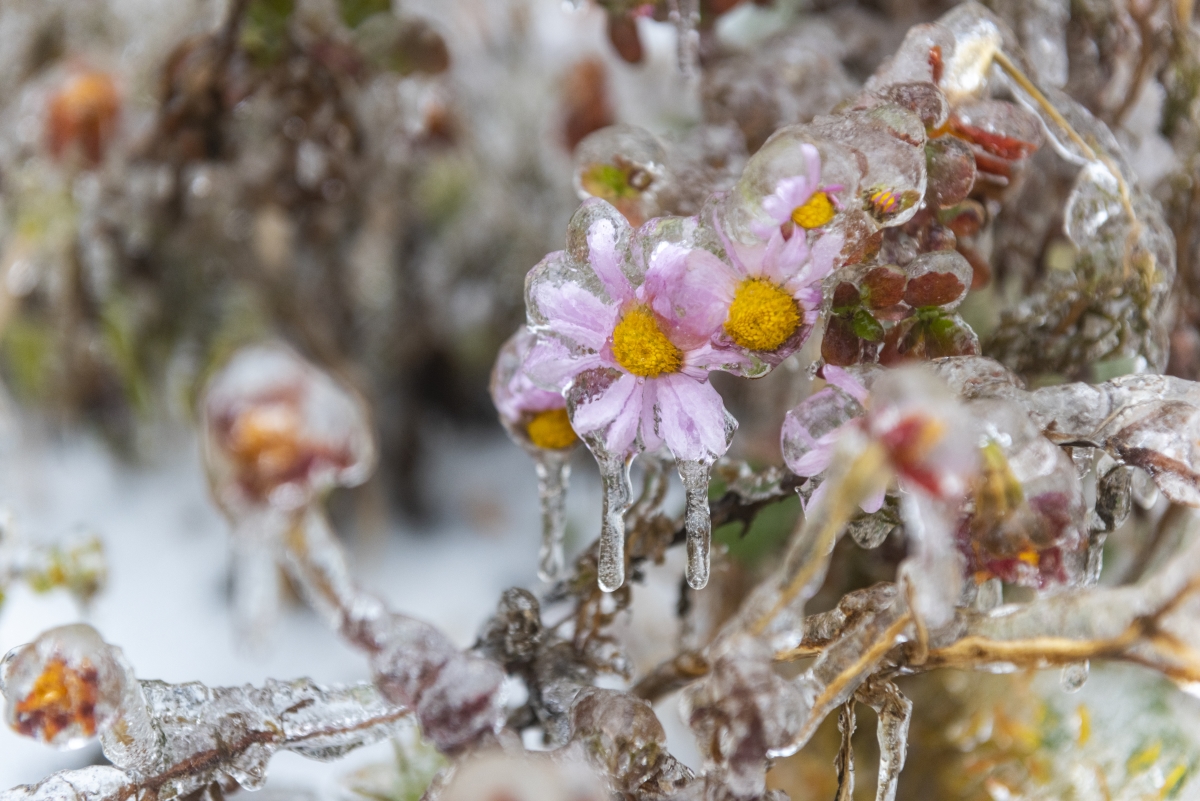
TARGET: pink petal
(789,194)
(576,314)
(845,382)
(651,441)
(813,160)
(551,365)
(873,503)
(690,290)
(602,255)
(710,357)
(692,417)
(606,407)
(819,454)
(784,258)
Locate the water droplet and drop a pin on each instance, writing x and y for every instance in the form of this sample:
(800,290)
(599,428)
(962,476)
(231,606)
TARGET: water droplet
(1074,676)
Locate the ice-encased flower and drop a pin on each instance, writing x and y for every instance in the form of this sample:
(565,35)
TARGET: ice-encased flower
(537,420)
(811,430)
(64,688)
(280,431)
(634,373)
(533,416)
(926,440)
(801,199)
(763,303)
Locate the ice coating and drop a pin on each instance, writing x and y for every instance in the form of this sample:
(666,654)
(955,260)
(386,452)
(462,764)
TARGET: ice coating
(65,687)
(77,564)
(175,739)
(621,736)
(1029,506)
(635,353)
(624,165)
(536,419)
(279,431)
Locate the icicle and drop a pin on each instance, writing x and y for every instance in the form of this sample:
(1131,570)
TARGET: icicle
(697,523)
(686,16)
(1074,676)
(256,584)
(614,476)
(553,472)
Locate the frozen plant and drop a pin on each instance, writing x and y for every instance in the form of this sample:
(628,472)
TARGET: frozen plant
(1019,492)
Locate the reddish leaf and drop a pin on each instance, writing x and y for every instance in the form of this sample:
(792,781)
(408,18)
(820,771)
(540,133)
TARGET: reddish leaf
(840,346)
(882,287)
(933,289)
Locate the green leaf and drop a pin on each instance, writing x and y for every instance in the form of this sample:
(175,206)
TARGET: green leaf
(866,327)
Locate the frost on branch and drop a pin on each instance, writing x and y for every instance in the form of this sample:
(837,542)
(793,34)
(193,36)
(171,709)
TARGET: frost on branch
(69,687)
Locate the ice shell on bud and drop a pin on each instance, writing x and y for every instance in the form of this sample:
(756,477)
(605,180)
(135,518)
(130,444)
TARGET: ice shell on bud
(951,168)
(279,431)
(889,142)
(940,278)
(920,59)
(978,35)
(623,164)
(929,437)
(64,688)
(999,127)
(1029,504)
(781,158)
(525,777)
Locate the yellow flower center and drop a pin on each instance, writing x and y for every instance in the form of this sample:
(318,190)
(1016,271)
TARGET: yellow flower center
(641,347)
(551,430)
(815,212)
(762,316)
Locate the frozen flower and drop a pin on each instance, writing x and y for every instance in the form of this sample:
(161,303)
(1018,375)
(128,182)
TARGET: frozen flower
(802,199)
(63,688)
(280,431)
(634,372)
(537,420)
(647,367)
(532,416)
(763,303)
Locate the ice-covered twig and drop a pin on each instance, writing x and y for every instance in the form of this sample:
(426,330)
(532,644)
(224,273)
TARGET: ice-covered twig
(69,686)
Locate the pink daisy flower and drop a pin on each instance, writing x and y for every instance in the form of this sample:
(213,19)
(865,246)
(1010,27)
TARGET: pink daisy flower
(762,304)
(634,373)
(802,200)
(534,417)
